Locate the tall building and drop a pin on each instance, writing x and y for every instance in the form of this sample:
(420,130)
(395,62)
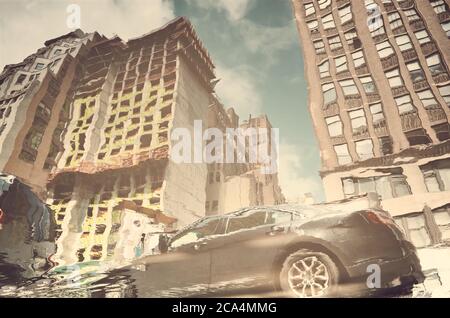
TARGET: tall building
(34,104)
(235,185)
(87,120)
(379,97)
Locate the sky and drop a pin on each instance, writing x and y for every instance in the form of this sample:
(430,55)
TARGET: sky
(253,43)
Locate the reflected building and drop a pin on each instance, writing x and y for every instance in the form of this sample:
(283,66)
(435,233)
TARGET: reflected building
(379,96)
(92,118)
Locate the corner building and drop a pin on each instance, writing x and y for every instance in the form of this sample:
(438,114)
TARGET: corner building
(379,97)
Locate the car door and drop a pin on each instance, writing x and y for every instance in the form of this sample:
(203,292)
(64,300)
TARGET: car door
(244,255)
(185,269)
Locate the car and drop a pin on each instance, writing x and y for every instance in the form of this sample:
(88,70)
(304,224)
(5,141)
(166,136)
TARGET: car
(296,250)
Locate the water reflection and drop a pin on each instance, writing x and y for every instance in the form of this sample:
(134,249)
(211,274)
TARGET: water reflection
(40,259)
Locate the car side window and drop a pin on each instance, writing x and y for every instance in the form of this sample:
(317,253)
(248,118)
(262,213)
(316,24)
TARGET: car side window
(199,231)
(246,220)
(278,217)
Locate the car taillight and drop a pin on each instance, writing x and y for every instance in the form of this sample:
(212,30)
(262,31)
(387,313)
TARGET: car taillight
(379,218)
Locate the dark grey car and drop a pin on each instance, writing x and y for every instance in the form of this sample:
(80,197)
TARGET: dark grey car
(301,251)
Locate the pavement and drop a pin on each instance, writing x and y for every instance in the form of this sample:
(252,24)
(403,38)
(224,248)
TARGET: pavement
(435,263)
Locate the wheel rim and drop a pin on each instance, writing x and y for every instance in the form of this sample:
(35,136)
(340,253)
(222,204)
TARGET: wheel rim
(308,277)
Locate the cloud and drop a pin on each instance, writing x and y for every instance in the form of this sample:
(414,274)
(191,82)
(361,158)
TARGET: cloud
(238,89)
(267,40)
(235,9)
(26,25)
(294,180)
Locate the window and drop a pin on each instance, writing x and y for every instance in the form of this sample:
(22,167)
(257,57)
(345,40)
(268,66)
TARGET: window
(415,71)
(411,15)
(313,26)
(384,49)
(395,21)
(349,87)
(368,84)
(278,217)
(379,30)
(342,154)
(403,42)
(385,145)
(345,14)
(404,104)
(435,65)
(416,228)
(427,98)
(323,4)
(418,137)
(358,120)
(422,36)
(446,28)
(335,42)
(442,131)
(39,66)
(35,139)
(203,229)
(341,64)
(394,78)
(21,79)
(439,6)
(389,184)
(246,220)
(328,22)
(351,37)
(377,113)
(442,218)
(329,93)
(358,59)
(54,63)
(364,149)
(375,19)
(334,126)
(309,9)
(324,69)
(319,46)
(437,175)
(445,93)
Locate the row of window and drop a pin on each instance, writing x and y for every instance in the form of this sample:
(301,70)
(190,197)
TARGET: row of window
(364,149)
(358,120)
(341,63)
(349,87)
(418,228)
(393,184)
(388,186)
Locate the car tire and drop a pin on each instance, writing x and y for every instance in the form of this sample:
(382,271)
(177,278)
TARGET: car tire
(306,273)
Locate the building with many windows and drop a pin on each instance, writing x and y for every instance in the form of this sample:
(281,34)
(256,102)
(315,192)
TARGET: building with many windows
(379,97)
(34,106)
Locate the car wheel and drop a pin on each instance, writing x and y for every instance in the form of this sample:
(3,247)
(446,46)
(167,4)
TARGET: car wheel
(306,273)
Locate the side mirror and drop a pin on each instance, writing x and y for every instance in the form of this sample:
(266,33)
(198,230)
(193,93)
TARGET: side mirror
(163,244)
